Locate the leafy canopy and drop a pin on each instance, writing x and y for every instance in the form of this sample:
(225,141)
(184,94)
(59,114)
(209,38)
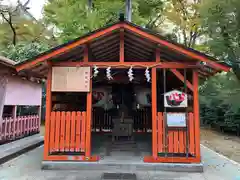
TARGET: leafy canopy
(73,18)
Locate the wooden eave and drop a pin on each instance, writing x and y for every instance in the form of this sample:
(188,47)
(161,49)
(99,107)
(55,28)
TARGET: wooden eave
(139,46)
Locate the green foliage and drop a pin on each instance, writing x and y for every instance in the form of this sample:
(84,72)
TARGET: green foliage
(80,20)
(184,16)
(21,51)
(219,98)
(221,21)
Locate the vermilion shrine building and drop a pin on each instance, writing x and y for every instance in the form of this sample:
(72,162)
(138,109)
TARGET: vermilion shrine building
(81,73)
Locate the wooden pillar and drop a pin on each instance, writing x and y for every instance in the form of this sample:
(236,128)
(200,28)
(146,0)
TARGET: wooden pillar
(48,112)
(88,121)
(88,109)
(196,114)
(121,52)
(154,112)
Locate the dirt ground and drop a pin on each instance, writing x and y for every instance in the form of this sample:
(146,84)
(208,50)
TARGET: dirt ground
(222,143)
(228,145)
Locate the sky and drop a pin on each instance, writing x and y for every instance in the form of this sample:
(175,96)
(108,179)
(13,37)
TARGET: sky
(35,6)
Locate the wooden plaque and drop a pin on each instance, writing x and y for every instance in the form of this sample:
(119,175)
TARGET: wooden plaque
(176,119)
(71,79)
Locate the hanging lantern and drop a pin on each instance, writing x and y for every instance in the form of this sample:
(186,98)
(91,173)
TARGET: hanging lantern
(108,73)
(130,74)
(147,74)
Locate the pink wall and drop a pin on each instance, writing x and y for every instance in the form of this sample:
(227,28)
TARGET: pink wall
(22,92)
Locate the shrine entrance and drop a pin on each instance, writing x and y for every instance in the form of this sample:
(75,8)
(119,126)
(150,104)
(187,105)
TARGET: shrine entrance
(121,120)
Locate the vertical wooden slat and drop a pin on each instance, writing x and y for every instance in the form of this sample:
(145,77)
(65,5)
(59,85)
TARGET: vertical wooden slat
(9,127)
(24,126)
(57,133)
(170,141)
(5,128)
(62,131)
(196,114)
(14,121)
(73,132)
(52,132)
(48,113)
(30,119)
(175,141)
(39,118)
(160,132)
(68,131)
(191,134)
(17,126)
(21,125)
(78,131)
(121,51)
(181,141)
(35,123)
(154,112)
(83,131)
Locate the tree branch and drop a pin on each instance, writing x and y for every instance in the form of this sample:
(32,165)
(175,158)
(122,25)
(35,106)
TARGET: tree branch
(9,21)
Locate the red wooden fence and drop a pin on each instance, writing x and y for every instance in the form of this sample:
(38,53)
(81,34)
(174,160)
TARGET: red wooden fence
(19,127)
(175,140)
(67,132)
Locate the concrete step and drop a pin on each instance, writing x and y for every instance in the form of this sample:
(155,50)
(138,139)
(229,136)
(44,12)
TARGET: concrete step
(132,164)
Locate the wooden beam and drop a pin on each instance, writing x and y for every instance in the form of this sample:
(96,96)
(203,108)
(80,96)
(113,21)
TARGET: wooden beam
(175,47)
(154,112)
(135,64)
(181,78)
(58,51)
(196,114)
(86,53)
(121,52)
(48,112)
(158,59)
(94,35)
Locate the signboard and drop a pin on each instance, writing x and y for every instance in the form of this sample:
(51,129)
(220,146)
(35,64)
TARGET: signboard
(176,119)
(71,79)
(175,99)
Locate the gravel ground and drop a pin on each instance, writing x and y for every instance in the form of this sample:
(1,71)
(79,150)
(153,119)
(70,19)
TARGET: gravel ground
(224,144)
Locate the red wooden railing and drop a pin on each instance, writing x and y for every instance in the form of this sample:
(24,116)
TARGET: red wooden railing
(67,132)
(175,140)
(13,128)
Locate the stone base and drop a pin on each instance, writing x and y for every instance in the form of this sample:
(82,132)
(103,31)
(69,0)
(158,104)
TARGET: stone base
(123,167)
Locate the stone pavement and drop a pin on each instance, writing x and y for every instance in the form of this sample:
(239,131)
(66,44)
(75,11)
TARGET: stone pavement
(15,148)
(28,167)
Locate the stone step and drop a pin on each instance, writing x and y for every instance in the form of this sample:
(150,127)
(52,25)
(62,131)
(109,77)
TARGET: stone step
(121,165)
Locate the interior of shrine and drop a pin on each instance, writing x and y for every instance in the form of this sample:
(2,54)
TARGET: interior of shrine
(122,112)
